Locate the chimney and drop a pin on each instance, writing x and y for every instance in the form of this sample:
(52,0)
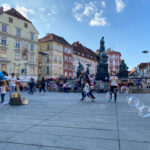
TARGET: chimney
(1,10)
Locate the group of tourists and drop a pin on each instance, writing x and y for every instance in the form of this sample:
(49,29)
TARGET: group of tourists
(85,83)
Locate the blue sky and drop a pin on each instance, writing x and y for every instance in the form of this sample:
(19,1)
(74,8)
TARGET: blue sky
(125,24)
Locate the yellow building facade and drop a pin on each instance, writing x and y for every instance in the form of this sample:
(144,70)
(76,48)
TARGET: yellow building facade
(18,45)
(52,66)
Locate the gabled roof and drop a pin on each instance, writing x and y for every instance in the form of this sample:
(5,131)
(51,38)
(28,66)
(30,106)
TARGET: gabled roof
(53,37)
(13,12)
(79,49)
(133,71)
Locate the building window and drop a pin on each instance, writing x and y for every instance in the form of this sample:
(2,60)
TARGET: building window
(18,32)
(70,58)
(4,27)
(18,45)
(60,48)
(31,70)
(3,41)
(66,50)
(31,47)
(66,58)
(47,70)
(10,19)
(31,36)
(25,25)
(3,54)
(55,46)
(31,58)
(3,67)
(16,69)
(55,59)
(69,51)
(66,66)
(47,47)
(60,59)
(17,55)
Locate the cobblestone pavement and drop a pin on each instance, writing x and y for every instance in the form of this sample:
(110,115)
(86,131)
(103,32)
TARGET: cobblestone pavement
(59,121)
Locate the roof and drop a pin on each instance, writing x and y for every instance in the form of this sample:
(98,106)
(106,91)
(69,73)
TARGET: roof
(109,51)
(53,37)
(143,65)
(13,12)
(80,50)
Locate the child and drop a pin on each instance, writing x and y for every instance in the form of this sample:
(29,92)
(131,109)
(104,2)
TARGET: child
(3,92)
(124,87)
(86,91)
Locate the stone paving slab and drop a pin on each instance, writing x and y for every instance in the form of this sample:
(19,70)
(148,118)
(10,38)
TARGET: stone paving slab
(65,141)
(59,121)
(78,132)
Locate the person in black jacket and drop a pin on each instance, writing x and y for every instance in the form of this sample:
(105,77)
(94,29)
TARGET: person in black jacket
(31,86)
(42,85)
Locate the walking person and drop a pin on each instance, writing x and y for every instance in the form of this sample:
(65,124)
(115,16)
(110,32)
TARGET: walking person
(12,84)
(113,85)
(42,87)
(3,92)
(86,92)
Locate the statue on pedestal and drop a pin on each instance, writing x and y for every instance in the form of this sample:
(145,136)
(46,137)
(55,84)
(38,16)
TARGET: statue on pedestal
(123,70)
(80,68)
(102,62)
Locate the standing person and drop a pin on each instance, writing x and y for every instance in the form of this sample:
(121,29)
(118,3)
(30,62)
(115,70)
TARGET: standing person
(31,86)
(12,84)
(42,85)
(3,92)
(113,85)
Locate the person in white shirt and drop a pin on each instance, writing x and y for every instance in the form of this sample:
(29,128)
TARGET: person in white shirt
(12,84)
(3,92)
(113,85)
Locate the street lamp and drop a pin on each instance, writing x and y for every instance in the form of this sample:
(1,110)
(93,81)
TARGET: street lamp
(42,54)
(147,52)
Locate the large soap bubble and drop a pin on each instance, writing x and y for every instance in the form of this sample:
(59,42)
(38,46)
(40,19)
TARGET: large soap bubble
(145,112)
(140,106)
(133,101)
(108,95)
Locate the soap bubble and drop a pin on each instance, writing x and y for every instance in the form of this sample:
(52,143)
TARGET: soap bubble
(145,112)
(108,95)
(140,106)
(133,101)
(124,90)
(102,106)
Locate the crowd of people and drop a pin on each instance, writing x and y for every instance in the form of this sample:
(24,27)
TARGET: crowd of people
(84,83)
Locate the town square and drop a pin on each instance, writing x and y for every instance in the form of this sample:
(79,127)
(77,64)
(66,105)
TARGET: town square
(74,75)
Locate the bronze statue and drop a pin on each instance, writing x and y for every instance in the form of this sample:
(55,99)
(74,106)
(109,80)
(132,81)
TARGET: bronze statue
(80,68)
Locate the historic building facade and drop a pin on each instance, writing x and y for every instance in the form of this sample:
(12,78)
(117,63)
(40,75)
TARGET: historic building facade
(114,60)
(18,45)
(58,61)
(85,56)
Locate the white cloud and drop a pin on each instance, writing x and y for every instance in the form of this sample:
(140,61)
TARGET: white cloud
(77,14)
(78,6)
(90,8)
(98,20)
(120,5)
(41,9)
(24,10)
(103,4)
(54,11)
(49,14)
(6,7)
(78,17)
